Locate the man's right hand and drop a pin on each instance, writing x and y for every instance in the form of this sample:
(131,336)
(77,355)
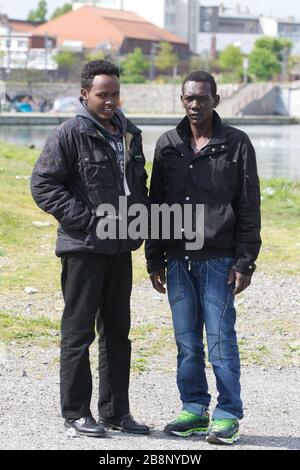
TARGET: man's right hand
(158,280)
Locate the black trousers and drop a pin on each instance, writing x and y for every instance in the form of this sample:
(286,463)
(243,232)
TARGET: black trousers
(96,290)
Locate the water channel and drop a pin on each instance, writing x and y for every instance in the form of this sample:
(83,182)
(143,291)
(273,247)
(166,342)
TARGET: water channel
(277,147)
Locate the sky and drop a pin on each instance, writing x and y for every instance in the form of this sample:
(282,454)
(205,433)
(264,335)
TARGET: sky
(19,8)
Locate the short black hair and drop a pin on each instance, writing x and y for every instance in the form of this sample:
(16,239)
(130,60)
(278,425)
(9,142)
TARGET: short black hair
(97,67)
(201,76)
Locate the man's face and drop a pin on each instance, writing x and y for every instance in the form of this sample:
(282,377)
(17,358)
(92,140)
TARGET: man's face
(103,97)
(199,102)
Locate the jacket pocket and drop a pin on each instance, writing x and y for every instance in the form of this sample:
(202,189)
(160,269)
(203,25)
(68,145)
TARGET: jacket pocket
(109,245)
(98,173)
(222,170)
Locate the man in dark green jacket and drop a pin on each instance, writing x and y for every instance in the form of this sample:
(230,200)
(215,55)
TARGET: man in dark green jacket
(88,162)
(206,163)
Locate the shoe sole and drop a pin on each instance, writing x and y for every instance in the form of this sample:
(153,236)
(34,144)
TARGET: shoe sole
(213,439)
(114,427)
(87,434)
(187,433)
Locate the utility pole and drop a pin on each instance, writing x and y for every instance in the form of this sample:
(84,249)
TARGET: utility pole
(46,56)
(2,94)
(8,45)
(154,46)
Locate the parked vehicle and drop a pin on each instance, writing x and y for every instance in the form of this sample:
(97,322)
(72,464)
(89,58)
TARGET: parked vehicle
(64,104)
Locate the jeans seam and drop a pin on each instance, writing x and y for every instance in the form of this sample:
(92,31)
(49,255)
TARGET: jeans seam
(221,273)
(195,298)
(222,317)
(178,287)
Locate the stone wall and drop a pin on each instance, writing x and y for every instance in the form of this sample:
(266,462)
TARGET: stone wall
(165,99)
(141,98)
(270,104)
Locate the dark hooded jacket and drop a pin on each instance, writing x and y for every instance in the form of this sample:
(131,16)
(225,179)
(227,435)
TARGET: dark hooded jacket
(78,170)
(223,177)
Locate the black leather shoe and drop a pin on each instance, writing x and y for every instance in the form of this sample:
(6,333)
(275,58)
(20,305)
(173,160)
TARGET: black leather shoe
(86,426)
(124,423)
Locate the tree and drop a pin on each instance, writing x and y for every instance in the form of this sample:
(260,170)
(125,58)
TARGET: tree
(231,58)
(269,57)
(293,66)
(208,64)
(275,51)
(65,61)
(231,61)
(61,10)
(134,67)
(263,64)
(40,13)
(166,58)
(95,55)
(276,46)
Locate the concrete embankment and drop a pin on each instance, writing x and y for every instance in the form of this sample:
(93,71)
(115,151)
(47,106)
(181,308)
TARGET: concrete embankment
(49,119)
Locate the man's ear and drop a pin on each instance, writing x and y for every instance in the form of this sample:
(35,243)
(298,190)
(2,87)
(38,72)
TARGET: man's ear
(181,99)
(84,94)
(217,101)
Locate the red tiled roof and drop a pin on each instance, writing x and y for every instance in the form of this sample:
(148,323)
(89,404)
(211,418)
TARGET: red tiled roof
(22,26)
(94,25)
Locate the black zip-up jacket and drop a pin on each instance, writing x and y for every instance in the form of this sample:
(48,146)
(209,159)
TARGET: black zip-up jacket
(224,178)
(77,171)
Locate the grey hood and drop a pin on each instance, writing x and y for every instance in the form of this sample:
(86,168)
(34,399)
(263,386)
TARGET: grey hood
(118,119)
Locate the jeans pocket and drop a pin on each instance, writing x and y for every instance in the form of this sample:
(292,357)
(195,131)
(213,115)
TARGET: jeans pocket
(171,264)
(221,265)
(174,286)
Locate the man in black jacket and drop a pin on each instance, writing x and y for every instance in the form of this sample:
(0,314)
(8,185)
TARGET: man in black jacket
(205,163)
(87,163)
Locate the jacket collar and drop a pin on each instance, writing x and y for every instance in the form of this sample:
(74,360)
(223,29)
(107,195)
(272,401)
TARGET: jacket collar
(185,133)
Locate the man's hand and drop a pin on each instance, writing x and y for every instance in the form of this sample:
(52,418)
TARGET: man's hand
(158,280)
(240,281)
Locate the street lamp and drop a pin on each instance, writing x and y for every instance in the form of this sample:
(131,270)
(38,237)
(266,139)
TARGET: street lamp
(245,69)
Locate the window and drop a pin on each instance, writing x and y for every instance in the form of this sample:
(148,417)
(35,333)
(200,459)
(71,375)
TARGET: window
(22,44)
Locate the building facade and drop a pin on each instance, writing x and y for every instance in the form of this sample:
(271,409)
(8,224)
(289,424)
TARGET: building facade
(180,17)
(283,28)
(22,49)
(208,29)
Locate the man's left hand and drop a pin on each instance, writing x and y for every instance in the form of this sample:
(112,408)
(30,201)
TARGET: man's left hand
(240,281)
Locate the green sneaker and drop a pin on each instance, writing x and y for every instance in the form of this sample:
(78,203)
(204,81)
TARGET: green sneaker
(223,431)
(187,424)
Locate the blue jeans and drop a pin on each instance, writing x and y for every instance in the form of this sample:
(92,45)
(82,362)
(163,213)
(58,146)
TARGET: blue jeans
(201,296)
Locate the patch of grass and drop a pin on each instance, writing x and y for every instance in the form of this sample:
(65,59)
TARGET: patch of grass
(249,355)
(139,365)
(280,227)
(27,252)
(22,329)
(148,341)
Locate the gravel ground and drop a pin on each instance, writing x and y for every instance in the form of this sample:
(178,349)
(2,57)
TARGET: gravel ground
(268,327)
